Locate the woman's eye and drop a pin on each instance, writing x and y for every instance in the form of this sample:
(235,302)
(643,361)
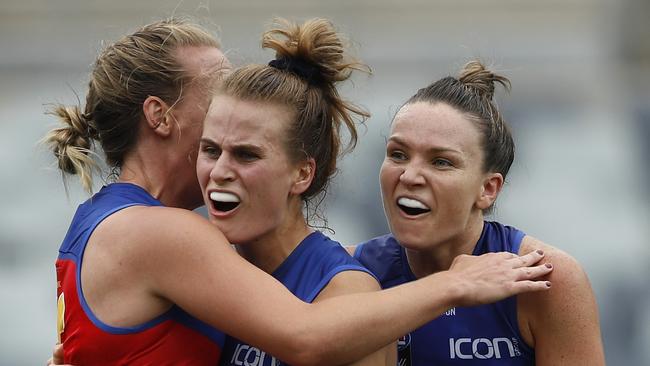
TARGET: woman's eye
(210,151)
(247,156)
(396,155)
(442,163)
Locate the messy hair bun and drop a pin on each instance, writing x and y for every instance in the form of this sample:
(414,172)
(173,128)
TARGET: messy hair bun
(315,42)
(311,59)
(476,76)
(72,143)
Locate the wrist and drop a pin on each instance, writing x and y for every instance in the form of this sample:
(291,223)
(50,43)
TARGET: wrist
(451,289)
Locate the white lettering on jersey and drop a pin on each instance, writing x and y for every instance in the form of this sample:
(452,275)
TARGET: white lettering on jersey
(246,355)
(450,312)
(482,348)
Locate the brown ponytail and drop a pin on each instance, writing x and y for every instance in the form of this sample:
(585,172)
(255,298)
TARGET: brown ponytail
(72,144)
(124,75)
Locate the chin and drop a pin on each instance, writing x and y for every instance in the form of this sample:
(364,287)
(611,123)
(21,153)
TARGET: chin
(411,242)
(235,236)
(406,238)
(411,237)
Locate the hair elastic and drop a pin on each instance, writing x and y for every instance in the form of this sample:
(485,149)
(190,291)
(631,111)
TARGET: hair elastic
(300,67)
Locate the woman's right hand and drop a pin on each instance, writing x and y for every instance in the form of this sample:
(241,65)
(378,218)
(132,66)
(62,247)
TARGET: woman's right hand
(57,356)
(492,277)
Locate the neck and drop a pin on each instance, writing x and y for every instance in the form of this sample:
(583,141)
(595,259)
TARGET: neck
(157,179)
(441,255)
(268,251)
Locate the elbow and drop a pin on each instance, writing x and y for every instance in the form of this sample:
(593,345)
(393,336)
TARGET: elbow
(310,350)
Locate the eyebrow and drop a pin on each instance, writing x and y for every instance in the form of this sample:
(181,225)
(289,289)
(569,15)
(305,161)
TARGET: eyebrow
(205,140)
(399,141)
(249,147)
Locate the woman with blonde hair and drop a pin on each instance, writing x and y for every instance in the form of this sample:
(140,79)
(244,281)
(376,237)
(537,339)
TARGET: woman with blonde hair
(142,279)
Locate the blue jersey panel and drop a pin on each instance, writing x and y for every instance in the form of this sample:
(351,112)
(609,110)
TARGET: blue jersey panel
(305,272)
(480,335)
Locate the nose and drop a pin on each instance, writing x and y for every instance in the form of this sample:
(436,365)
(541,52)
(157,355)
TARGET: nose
(412,175)
(222,170)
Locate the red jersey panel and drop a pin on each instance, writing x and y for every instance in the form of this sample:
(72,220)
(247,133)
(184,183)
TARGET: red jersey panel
(173,338)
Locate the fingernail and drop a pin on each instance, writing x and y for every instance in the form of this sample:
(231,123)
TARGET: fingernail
(548,284)
(540,252)
(548,265)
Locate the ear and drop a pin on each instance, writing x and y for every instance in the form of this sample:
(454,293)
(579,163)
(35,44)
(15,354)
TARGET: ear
(490,189)
(157,115)
(304,176)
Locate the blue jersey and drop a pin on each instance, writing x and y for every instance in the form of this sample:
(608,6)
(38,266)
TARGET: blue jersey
(305,272)
(480,335)
(171,338)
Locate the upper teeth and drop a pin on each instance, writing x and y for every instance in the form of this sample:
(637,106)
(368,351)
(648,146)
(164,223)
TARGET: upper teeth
(223,197)
(411,203)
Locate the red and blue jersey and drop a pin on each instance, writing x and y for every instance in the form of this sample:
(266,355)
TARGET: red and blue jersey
(173,338)
(479,335)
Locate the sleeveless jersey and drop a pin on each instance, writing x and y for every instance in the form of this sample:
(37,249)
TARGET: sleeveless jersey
(173,338)
(480,335)
(305,272)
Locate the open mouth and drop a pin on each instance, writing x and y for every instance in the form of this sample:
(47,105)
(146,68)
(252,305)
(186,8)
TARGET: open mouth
(224,202)
(412,207)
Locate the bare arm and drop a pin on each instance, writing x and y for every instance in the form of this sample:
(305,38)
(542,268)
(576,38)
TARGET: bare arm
(350,282)
(562,324)
(177,255)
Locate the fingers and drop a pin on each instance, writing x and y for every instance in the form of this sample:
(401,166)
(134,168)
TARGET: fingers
(527,260)
(525,279)
(529,286)
(530,273)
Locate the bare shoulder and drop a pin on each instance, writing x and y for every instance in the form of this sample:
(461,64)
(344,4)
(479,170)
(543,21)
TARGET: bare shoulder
(566,269)
(562,323)
(569,281)
(349,282)
(142,224)
(127,252)
(139,235)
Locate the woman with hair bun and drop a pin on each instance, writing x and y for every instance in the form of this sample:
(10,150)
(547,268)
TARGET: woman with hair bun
(144,280)
(447,157)
(270,146)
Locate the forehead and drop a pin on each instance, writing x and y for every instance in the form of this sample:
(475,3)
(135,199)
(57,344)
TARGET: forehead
(435,125)
(232,120)
(202,60)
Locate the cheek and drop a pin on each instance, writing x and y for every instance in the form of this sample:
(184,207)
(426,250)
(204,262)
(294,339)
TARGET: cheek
(387,182)
(388,177)
(383,174)
(458,199)
(202,171)
(268,187)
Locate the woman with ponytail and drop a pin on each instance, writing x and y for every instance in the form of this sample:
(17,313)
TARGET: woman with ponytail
(447,157)
(144,280)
